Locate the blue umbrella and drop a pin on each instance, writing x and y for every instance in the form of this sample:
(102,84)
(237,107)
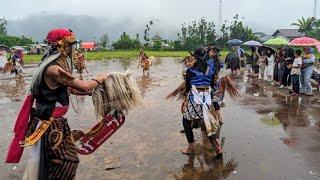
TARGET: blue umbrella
(234,42)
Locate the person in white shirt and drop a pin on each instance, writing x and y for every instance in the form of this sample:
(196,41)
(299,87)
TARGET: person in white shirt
(3,58)
(270,66)
(296,72)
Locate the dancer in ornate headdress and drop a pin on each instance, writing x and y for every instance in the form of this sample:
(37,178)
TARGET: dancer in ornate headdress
(54,154)
(79,62)
(144,61)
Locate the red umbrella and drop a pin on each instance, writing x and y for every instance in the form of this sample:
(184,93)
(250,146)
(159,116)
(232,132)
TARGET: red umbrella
(304,41)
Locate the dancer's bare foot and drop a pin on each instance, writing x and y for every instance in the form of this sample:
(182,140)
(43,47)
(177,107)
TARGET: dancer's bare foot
(188,150)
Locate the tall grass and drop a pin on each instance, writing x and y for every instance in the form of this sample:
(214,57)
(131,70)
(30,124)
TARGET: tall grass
(119,54)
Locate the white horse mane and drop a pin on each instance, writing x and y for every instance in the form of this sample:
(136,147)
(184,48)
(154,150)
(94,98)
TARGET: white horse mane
(118,92)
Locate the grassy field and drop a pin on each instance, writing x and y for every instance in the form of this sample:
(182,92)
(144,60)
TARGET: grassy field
(118,54)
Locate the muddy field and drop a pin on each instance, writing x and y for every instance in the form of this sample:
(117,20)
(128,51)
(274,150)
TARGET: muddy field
(269,135)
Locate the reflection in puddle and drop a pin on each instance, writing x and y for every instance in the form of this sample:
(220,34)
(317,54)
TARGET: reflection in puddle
(144,83)
(270,120)
(203,165)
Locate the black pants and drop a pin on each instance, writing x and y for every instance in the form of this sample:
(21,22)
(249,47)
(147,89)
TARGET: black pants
(295,83)
(286,78)
(256,69)
(187,125)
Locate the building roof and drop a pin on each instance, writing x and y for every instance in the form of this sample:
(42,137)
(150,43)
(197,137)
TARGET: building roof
(265,38)
(88,45)
(157,38)
(288,33)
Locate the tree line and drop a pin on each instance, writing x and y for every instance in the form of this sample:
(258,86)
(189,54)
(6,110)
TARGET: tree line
(191,35)
(10,41)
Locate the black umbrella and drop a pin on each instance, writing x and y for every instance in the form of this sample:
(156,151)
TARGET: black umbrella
(234,42)
(265,49)
(6,48)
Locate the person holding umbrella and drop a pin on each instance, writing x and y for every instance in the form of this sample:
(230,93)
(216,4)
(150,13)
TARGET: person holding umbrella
(233,61)
(254,58)
(306,71)
(288,60)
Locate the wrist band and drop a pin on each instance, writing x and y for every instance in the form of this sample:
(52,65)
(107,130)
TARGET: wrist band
(96,81)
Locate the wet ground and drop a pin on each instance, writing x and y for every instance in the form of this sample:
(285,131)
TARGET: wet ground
(269,135)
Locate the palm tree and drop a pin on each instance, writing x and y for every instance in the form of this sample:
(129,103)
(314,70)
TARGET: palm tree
(305,25)
(315,32)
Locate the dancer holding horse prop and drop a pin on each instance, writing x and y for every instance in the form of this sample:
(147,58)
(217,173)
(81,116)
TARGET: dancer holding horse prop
(43,126)
(200,81)
(144,61)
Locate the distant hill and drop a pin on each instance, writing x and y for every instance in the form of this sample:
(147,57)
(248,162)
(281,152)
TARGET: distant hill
(86,27)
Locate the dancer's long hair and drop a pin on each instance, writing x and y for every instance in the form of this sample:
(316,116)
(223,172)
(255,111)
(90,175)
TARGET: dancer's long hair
(226,86)
(118,92)
(201,62)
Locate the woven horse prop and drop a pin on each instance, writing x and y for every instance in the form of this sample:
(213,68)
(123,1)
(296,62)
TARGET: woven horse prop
(112,99)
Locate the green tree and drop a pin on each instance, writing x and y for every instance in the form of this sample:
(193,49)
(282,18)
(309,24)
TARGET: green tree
(105,40)
(236,30)
(3,24)
(305,25)
(147,32)
(15,40)
(239,31)
(195,34)
(157,45)
(126,42)
(315,32)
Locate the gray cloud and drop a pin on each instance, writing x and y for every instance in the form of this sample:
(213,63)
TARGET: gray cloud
(94,17)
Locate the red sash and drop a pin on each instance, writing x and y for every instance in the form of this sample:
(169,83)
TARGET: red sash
(21,126)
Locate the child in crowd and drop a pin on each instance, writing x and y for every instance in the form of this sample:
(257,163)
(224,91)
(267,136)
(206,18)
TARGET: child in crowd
(296,72)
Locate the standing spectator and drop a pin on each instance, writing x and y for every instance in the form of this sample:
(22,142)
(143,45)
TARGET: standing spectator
(232,61)
(276,68)
(262,64)
(241,56)
(3,58)
(288,60)
(270,66)
(280,60)
(254,61)
(306,71)
(296,72)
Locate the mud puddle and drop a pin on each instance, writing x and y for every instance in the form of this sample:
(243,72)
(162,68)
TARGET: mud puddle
(268,136)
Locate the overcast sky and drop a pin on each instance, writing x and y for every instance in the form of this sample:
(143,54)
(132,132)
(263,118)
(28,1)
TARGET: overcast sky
(261,15)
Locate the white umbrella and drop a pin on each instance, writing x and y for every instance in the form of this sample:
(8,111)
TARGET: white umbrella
(18,48)
(252,43)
